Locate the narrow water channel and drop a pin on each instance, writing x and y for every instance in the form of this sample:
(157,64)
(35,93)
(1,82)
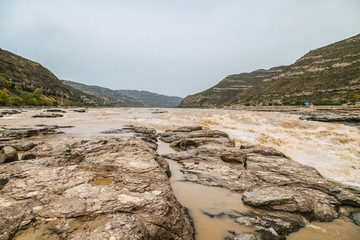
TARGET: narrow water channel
(198,198)
(331,148)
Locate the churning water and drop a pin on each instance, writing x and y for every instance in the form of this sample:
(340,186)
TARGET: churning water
(333,149)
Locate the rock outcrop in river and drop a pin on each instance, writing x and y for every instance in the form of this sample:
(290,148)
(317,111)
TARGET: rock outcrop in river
(90,188)
(267,178)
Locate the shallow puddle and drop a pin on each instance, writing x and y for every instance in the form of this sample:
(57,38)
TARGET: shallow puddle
(102,180)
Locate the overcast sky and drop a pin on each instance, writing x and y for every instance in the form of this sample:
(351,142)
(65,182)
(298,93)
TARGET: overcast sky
(170,47)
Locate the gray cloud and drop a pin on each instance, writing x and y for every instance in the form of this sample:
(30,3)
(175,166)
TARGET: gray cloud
(171,47)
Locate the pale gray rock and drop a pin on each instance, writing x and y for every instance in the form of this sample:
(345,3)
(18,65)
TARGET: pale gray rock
(355,217)
(47,115)
(271,181)
(93,188)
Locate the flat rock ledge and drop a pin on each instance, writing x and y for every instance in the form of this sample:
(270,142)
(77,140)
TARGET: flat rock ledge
(267,179)
(90,188)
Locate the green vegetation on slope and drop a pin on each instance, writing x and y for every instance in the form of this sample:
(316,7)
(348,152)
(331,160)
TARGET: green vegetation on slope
(12,94)
(25,82)
(128,98)
(328,75)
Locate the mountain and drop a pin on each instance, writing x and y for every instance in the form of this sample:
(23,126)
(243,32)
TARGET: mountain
(152,99)
(327,75)
(30,83)
(225,91)
(129,98)
(106,95)
(30,74)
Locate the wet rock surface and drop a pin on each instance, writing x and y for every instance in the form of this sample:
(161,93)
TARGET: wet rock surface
(55,110)
(266,177)
(355,217)
(80,110)
(47,115)
(338,115)
(266,226)
(7,134)
(4,112)
(90,188)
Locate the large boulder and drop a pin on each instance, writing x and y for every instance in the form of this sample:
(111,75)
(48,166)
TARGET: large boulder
(8,154)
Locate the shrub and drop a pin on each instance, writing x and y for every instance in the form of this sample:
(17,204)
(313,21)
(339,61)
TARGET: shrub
(15,101)
(4,97)
(4,81)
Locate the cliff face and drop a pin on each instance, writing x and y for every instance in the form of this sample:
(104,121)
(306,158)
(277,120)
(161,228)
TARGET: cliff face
(328,75)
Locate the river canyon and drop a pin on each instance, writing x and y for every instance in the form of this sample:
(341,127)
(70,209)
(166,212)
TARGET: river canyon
(333,149)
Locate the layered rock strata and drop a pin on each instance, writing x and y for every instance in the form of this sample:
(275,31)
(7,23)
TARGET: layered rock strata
(90,188)
(266,177)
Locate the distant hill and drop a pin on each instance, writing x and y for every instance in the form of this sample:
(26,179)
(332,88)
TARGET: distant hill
(152,99)
(106,95)
(29,76)
(328,75)
(129,98)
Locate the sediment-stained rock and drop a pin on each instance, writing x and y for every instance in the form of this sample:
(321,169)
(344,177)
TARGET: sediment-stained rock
(9,112)
(55,110)
(47,115)
(332,116)
(7,134)
(355,217)
(148,135)
(8,154)
(90,188)
(270,180)
(266,226)
(81,110)
(20,145)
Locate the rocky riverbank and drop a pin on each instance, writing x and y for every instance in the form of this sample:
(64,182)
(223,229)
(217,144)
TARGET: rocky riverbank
(266,177)
(90,188)
(340,114)
(117,186)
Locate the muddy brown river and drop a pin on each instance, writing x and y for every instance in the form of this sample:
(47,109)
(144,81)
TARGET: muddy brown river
(333,149)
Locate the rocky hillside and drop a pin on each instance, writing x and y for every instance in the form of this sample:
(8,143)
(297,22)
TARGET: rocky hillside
(25,82)
(224,91)
(128,98)
(153,99)
(32,75)
(328,75)
(106,95)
